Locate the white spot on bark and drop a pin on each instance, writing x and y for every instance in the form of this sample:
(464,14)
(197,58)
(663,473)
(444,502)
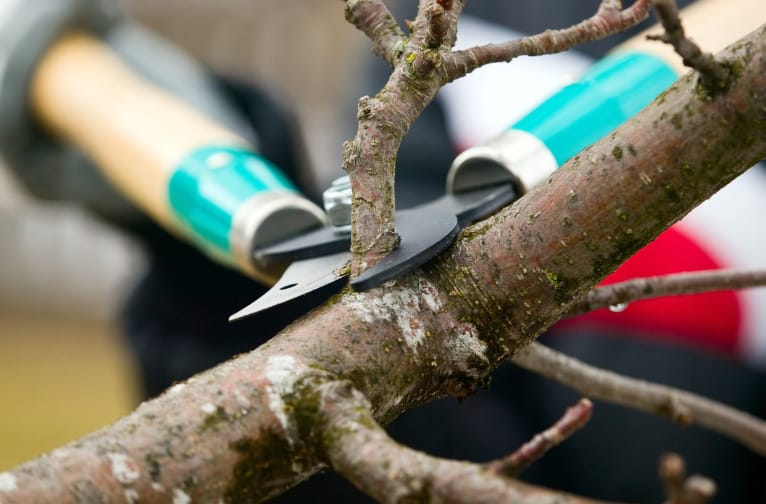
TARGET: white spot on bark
(431,295)
(402,307)
(283,371)
(208,408)
(180,497)
(59,453)
(7,482)
(466,343)
(123,468)
(131,496)
(178,387)
(157,487)
(241,399)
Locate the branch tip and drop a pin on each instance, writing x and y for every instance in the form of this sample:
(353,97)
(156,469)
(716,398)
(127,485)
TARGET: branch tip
(610,18)
(373,18)
(715,76)
(680,489)
(573,420)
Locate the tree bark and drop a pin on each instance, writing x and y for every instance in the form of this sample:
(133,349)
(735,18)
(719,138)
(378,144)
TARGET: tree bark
(250,428)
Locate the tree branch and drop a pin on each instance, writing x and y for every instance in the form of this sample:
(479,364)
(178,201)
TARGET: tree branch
(573,420)
(667,285)
(384,119)
(374,19)
(440,18)
(678,488)
(359,449)
(682,407)
(609,19)
(714,75)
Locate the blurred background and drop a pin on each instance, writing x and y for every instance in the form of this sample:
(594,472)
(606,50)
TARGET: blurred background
(64,369)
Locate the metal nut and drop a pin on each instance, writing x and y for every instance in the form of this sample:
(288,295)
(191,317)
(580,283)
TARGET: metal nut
(337,203)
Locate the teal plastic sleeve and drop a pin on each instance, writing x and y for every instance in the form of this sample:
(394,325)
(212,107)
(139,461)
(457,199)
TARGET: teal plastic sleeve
(608,94)
(210,185)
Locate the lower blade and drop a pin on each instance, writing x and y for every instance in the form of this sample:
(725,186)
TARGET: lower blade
(426,231)
(300,279)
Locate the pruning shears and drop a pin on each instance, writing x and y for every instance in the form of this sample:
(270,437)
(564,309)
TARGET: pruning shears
(318,257)
(480,181)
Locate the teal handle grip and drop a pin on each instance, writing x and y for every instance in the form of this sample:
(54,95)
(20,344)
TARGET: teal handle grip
(210,186)
(609,93)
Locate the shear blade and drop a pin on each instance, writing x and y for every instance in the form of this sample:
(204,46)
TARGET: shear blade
(426,231)
(300,279)
(319,242)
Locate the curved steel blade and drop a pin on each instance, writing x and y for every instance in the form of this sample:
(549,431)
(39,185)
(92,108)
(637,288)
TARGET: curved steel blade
(318,242)
(299,279)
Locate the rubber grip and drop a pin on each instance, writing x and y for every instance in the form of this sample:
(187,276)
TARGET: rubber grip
(189,173)
(210,186)
(608,94)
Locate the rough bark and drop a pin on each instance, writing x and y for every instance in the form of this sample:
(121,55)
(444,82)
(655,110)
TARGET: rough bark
(249,428)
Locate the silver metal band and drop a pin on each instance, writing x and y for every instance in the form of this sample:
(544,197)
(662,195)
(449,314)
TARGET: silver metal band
(267,218)
(515,156)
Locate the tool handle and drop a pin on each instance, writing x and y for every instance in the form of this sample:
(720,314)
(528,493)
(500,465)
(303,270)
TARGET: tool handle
(605,96)
(190,174)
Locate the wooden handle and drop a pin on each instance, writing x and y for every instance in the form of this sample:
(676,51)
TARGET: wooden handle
(134,132)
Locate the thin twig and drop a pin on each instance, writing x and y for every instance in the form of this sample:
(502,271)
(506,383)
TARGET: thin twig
(678,488)
(678,405)
(714,75)
(573,420)
(359,449)
(668,285)
(609,19)
(374,19)
(672,473)
(439,19)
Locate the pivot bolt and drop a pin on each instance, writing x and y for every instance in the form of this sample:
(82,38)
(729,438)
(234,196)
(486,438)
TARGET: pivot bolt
(337,203)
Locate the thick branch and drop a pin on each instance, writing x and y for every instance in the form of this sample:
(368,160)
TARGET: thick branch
(609,19)
(667,285)
(680,406)
(240,430)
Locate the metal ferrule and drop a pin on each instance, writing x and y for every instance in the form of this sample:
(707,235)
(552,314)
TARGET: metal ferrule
(266,218)
(231,200)
(515,156)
